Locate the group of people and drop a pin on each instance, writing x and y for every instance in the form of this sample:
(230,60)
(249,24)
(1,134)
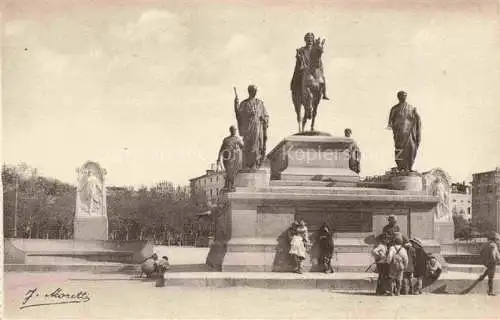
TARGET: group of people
(300,244)
(402,264)
(155,266)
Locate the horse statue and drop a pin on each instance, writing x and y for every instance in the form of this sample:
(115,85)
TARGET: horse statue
(306,84)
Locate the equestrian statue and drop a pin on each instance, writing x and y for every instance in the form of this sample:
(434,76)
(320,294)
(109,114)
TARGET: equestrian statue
(308,82)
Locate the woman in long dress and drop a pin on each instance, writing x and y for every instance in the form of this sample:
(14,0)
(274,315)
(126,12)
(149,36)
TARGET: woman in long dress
(298,243)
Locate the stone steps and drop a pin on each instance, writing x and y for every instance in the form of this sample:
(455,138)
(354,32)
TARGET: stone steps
(463,258)
(100,267)
(76,257)
(452,282)
(81,267)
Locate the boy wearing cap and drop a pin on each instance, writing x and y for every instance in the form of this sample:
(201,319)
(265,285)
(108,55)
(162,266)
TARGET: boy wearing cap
(490,257)
(379,253)
(398,262)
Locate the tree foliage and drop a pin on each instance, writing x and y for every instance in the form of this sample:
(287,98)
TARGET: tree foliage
(45,208)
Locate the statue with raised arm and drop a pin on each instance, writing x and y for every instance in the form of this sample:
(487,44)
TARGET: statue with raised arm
(406,125)
(253,122)
(308,83)
(230,152)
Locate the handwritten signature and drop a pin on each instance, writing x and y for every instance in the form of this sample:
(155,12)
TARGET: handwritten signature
(34,298)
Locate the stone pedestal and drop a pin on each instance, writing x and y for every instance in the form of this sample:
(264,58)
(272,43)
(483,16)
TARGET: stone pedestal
(444,231)
(312,157)
(409,182)
(256,224)
(253,179)
(91,228)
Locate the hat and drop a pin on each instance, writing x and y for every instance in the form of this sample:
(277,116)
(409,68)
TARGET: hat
(382,237)
(392,217)
(309,34)
(416,241)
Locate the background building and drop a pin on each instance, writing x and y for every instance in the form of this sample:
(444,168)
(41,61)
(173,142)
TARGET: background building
(461,200)
(205,189)
(486,200)
(205,193)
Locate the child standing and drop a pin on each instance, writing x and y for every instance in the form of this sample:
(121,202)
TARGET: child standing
(326,248)
(398,262)
(379,253)
(162,265)
(408,273)
(298,243)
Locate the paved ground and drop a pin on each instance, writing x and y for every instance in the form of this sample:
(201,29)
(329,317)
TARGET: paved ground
(127,299)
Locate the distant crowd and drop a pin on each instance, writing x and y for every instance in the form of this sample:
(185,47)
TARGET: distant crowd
(402,264)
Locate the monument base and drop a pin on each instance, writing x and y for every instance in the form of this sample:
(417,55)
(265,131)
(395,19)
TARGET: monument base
(252,179)
(313,157)
(410,181)
(444,231)
(252,227)
(91,228)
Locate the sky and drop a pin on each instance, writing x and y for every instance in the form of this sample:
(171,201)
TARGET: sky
(146,88)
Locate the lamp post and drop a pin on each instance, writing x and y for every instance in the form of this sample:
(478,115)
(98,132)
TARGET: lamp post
(15,205)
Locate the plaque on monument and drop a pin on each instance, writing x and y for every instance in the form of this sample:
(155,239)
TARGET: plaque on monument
(91,221)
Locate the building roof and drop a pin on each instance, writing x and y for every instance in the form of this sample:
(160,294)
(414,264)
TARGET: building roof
(209,173)
(497,169)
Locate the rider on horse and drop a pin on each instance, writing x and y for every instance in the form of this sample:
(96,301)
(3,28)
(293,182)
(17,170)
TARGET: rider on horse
(304,56)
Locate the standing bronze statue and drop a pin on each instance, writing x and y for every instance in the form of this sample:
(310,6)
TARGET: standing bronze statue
(308,83)
(405,124)
(230,152)
(253,122)
(354,153)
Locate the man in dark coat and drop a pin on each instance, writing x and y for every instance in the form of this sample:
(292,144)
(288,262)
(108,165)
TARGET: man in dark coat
(419,265)
(326,247)
(391,228)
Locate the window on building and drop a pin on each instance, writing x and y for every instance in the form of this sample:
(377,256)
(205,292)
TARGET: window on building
(468,211)
(211,195)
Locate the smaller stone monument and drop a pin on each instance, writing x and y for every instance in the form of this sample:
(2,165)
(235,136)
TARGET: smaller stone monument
(91,220)
(437,182)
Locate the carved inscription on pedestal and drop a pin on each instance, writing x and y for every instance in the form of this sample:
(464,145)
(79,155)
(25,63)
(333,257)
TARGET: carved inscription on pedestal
(340,220)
